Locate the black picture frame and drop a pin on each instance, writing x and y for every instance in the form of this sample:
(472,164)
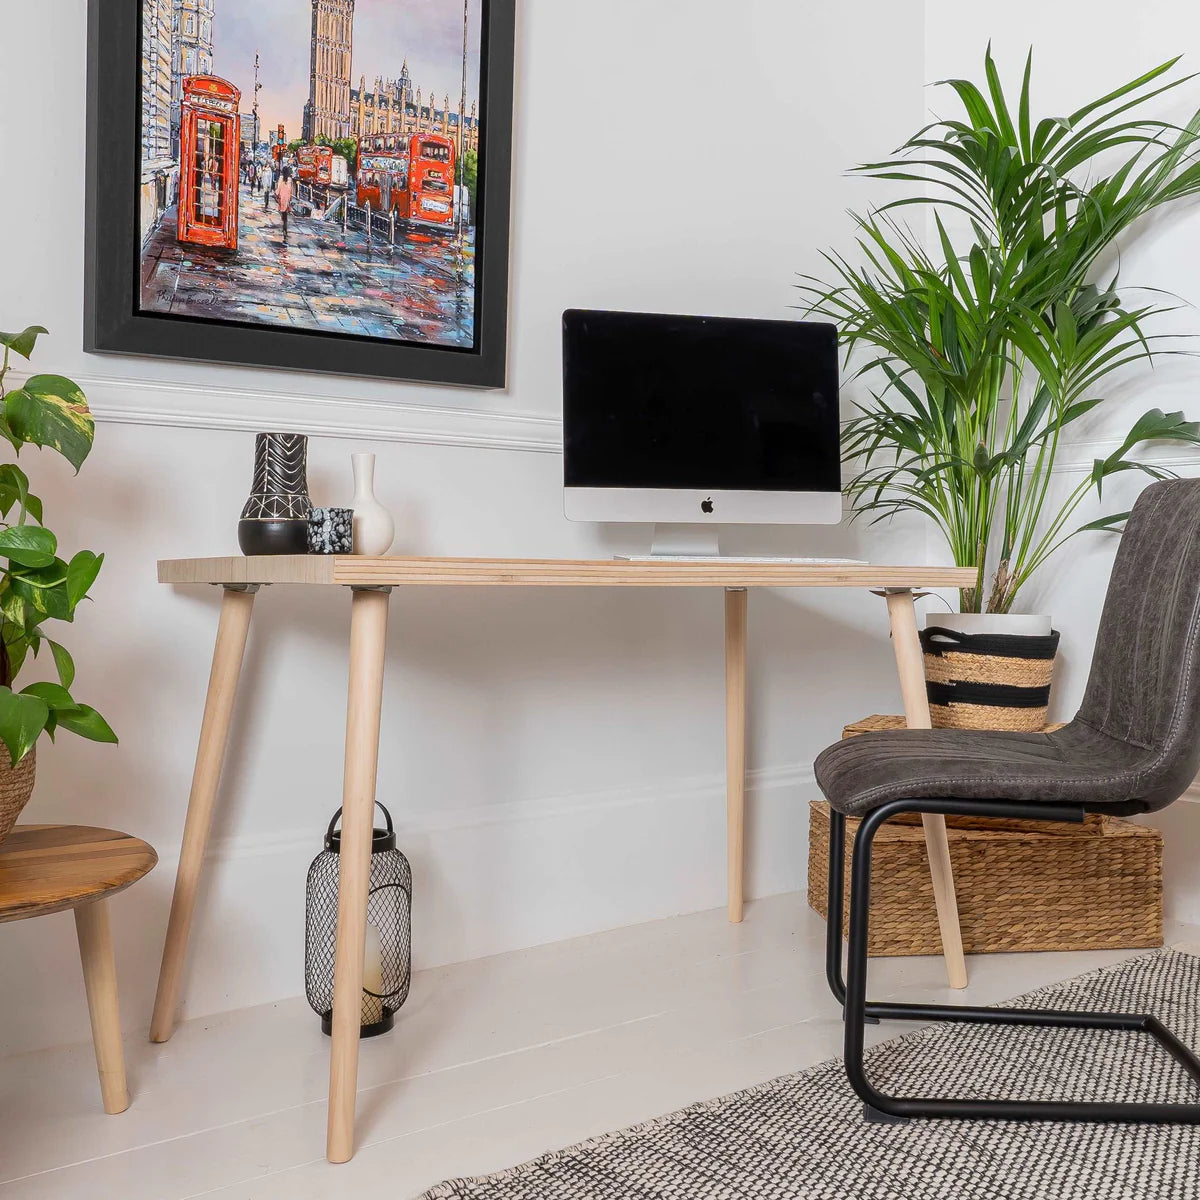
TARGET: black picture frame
(112,320)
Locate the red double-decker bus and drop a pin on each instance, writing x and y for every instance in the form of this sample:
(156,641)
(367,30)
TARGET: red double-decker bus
(411,176)
(319,167)
(314,164)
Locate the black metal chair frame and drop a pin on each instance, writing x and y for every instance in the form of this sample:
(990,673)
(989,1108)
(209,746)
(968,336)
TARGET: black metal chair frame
(851,992)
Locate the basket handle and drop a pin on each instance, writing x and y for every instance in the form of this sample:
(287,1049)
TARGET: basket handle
(387,816)
(936,639)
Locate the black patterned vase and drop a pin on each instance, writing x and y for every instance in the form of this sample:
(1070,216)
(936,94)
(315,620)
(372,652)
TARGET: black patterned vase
(275,519)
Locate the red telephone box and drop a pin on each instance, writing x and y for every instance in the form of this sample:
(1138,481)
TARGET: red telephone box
(208,169)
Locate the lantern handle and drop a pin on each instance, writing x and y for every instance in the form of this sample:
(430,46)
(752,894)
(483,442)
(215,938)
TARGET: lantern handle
(387,816)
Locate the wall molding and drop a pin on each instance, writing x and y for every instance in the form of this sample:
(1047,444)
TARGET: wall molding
(172,404)
(1076,458)
(128,401)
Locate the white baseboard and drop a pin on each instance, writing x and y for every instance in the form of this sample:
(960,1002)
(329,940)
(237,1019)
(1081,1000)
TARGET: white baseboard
(487,879)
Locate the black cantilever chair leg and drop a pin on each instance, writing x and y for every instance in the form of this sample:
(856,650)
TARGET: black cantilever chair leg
(835,898)
(858,1010)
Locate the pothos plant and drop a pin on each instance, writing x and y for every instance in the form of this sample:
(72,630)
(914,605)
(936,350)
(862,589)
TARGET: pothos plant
(36,585)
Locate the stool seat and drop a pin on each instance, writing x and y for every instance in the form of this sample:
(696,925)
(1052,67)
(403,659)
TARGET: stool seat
(50,868)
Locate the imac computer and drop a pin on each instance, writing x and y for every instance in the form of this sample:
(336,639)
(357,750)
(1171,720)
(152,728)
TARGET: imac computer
(695,422)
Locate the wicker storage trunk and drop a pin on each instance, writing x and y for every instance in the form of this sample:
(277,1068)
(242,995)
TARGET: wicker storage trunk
(1021,885)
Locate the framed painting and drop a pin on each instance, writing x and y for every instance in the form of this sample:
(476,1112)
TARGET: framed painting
(317,185)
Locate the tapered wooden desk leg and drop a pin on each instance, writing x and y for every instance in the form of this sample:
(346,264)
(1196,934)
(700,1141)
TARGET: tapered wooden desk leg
(735,744)
(234,624)
(100,980)
(368,643)
(911,666)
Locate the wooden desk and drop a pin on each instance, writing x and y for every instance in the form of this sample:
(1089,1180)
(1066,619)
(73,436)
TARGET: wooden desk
(370,581)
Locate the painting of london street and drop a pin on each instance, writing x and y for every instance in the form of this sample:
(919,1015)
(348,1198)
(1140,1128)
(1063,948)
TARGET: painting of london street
(312,165)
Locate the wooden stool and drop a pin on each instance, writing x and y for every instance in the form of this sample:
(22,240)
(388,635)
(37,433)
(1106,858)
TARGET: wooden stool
(49,868)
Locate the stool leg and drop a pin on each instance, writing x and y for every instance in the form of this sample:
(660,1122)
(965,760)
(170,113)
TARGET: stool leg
(100,980)
(230,648)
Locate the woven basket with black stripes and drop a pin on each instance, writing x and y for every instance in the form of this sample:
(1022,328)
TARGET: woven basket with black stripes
(988,680)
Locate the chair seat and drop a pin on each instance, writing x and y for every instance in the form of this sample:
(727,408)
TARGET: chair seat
(1073,765)
(49,868)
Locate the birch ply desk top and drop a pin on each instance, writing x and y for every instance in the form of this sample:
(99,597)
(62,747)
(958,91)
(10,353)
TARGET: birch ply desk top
(351,570)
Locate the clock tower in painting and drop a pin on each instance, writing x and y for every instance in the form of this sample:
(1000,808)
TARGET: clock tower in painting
(327,113)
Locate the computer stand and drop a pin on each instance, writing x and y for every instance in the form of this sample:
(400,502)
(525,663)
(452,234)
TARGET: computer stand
(700,541)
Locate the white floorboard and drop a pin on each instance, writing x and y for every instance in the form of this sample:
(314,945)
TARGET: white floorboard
(492,1062)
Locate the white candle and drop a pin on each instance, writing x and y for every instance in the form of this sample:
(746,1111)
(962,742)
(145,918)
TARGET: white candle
(372,1006)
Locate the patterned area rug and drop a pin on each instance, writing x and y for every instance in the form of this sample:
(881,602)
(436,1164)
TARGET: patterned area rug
(802,1137)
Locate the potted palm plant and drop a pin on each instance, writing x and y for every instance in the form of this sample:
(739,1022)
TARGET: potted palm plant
(36,585)
(988,339)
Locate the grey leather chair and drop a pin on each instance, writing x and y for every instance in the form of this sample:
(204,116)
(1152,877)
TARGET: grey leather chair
(1133,747)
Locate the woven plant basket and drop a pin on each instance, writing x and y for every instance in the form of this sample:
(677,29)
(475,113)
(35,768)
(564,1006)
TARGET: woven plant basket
(16,786)
(988,680)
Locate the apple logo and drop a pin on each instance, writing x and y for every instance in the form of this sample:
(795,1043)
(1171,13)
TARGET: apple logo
(706,506)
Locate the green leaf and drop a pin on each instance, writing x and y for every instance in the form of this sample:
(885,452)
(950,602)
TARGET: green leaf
(12,606)
(1023,108)
(1102,468)
(16,647)
(1110,524)
(50,410)
(22,343)
(1003,118)
(64,663)
(22,719)
(86,722)
(1157,426)
(14,488)
(29,545)
(81,574)
(41,602)
(55,575)
(1074,411)
(54,695)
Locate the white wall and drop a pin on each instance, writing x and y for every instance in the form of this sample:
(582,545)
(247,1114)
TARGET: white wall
(554,760)
(1077,60)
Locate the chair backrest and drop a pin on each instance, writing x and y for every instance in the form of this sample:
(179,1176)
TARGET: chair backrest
(1144,687)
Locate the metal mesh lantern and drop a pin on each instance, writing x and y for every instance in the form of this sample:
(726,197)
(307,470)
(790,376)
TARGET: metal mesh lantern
(388,958)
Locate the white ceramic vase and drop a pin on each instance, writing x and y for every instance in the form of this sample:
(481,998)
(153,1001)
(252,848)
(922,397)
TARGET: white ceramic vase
(374,528)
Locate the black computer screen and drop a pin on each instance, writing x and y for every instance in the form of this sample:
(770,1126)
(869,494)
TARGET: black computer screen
(658,401)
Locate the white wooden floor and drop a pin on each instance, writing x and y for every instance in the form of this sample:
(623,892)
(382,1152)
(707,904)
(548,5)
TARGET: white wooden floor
(492,1062)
